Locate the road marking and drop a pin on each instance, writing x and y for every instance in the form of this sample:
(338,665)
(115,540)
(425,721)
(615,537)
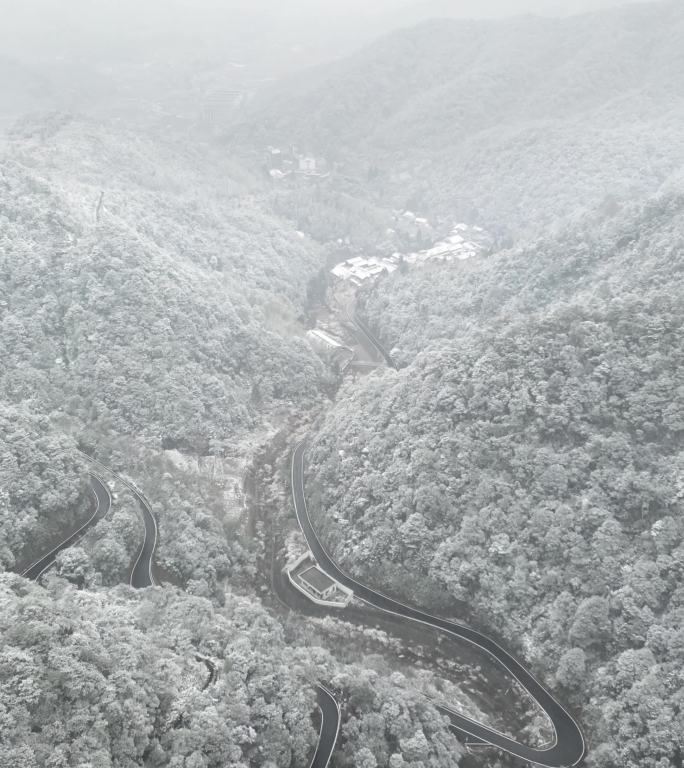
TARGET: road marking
(299,452)
(321,687)
(79,533)
(143,501)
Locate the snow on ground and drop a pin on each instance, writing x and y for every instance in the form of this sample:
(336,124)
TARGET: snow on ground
(227,472)
(464,242)
(295,547)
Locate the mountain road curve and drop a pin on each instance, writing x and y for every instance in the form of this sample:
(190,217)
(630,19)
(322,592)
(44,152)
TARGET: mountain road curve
(568,747)
(330,727)
(142,574)
(103,503)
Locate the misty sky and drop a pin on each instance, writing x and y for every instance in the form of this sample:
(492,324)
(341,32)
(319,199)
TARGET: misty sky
(88,23)
(67,50)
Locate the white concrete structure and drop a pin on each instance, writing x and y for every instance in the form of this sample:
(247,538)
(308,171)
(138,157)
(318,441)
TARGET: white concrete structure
(324,338)
(306,577)
(317,582)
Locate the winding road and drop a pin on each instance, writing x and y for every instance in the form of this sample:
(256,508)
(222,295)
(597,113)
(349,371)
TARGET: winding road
(568,747)
(211,668)
(330,727)
(103,503)
(142,574)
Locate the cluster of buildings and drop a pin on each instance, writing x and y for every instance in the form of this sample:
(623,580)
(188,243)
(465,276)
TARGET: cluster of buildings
(361,268)
(462,243)
(281,163)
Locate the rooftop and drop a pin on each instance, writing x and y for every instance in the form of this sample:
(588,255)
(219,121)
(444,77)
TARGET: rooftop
(315,578)
(326,338)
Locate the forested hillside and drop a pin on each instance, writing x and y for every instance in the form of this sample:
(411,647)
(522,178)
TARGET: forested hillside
(165,308)
(42,488)
(164,285)
(512,123)
(527,459)
(115,678)
(633,252)
(148,302)
(111,679)
(144,296)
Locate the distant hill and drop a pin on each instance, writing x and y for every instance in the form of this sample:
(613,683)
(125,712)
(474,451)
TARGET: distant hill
(416,10)
(22,88)
(514,122)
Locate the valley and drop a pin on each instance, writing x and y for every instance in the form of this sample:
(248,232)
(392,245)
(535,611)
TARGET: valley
(341,418)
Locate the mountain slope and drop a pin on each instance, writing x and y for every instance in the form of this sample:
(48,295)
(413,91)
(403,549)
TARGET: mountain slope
(514,122)
(147,303)
(120,676)
(169,312)
(527,459)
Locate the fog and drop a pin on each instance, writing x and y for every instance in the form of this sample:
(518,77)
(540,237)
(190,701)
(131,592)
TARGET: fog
(341,404)
(265,30)
(96,54)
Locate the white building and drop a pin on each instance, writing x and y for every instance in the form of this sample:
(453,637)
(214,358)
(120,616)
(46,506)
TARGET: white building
(318,582)
(308,579)
(359,268)
(307,164)
(323,339)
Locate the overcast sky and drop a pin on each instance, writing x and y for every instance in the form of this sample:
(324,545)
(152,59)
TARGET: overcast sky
(269,37)
(83,21)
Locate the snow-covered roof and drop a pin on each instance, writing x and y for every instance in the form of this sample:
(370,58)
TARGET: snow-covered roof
(326,338)
(316,578)
(455,246)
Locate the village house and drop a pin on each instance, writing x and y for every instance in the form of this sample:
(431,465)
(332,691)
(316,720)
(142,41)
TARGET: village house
(307,164)
(284,162)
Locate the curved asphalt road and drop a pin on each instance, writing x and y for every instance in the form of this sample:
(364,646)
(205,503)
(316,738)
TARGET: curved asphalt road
(141,575)
(211,668)
(330,727)
(103,503)
(568,747)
